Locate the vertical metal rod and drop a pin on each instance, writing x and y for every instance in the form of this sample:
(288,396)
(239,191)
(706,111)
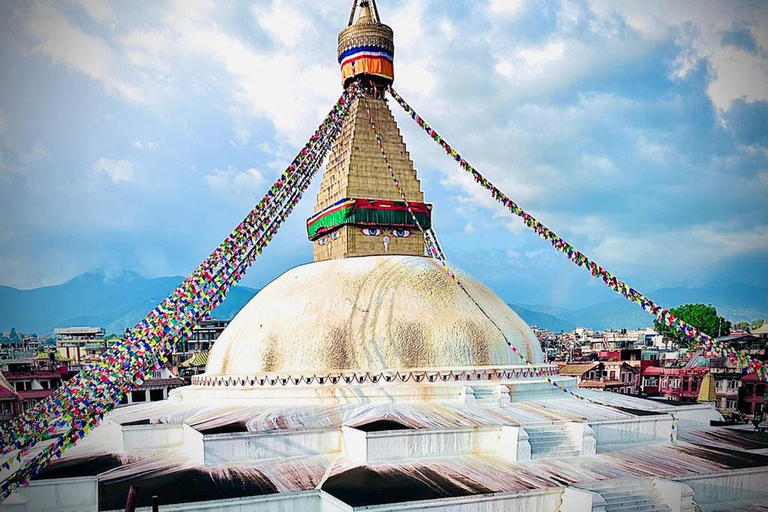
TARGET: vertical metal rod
(155,503)
(352,14)
(133,496)
(376,11)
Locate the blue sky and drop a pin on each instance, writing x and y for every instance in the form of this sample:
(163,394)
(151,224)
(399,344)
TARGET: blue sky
(134,135)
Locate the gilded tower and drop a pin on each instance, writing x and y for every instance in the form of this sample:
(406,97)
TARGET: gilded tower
(359,211)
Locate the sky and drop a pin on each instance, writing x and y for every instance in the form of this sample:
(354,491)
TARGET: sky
(135,135)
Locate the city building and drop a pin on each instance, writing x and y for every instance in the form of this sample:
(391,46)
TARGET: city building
(29,381)
(155,389)
(203,336)
(752,395)
(614,376)
(592,371)
(679,384)
(9,399)
(194,365)
(78,344)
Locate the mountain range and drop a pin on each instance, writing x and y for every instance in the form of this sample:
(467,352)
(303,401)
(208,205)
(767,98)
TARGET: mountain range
(735,302)
(116,302)
(113,302)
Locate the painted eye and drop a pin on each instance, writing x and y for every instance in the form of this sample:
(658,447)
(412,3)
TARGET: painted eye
(401,233)
(371,231)
(335,235)
(322,241)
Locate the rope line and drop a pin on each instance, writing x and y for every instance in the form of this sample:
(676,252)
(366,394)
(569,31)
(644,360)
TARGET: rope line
(429,235)
(742,359)
(437,252)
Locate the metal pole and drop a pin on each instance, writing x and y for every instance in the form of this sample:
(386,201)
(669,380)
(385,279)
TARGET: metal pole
(155,503)
(133,496)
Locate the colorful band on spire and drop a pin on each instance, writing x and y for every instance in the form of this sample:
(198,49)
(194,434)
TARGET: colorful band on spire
(367,60)
(368,212)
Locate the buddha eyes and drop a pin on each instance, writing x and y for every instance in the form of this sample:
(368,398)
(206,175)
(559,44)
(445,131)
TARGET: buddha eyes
(335,235)
(322,241)
(397,233)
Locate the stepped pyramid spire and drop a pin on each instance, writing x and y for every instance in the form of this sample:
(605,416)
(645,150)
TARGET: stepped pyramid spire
(359,211)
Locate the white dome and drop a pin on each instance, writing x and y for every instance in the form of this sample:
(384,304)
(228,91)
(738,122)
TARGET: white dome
(370,313)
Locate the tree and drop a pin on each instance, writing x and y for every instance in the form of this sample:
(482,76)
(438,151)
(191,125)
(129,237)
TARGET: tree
(703,317)
(758,323)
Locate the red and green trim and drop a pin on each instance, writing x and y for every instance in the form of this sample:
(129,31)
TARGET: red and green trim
(368,212)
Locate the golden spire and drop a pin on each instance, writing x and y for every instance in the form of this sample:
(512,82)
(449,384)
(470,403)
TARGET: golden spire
(359,210)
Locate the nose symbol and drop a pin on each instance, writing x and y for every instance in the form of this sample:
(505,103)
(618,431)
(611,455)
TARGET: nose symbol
(386,243)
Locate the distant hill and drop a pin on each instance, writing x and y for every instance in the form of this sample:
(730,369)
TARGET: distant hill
(543,320)
(118,302)
(736,302)
(95,299)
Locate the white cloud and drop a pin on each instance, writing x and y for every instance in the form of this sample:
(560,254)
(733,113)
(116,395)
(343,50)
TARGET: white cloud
(287,87)
(146,49)
(119,171)
(144,144)
(81,52)
(684,251)
(99,10)
(285,23)
(244,188)
(506,8)
(699,27)
(447,28)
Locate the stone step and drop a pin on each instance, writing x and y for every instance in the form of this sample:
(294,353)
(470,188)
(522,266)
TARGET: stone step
(540,448)
(637,492)
(538,435)
(620,485)
(640,500)
(546,433)
(620,504)
(544,426)
(649,507)
(553,448)
(550,442)
(555,454)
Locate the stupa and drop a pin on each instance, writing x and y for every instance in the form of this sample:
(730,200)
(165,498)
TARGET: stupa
(368,380)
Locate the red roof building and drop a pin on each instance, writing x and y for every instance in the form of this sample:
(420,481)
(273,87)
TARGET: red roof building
(752,395)
(681,384)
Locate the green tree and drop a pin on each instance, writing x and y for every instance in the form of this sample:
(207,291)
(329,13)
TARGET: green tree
(703,317)
(757,324)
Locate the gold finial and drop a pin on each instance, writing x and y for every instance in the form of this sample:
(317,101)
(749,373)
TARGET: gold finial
(366,46)
(365,16)
(365,12)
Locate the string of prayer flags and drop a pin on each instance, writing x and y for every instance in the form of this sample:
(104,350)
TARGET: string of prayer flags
(709,344)
(73,410)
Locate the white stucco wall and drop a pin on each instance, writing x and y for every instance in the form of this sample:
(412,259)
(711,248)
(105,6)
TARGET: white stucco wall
(152,437)
(236,447)
(374,447)
(745,484)
(62,495)
(641,429)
